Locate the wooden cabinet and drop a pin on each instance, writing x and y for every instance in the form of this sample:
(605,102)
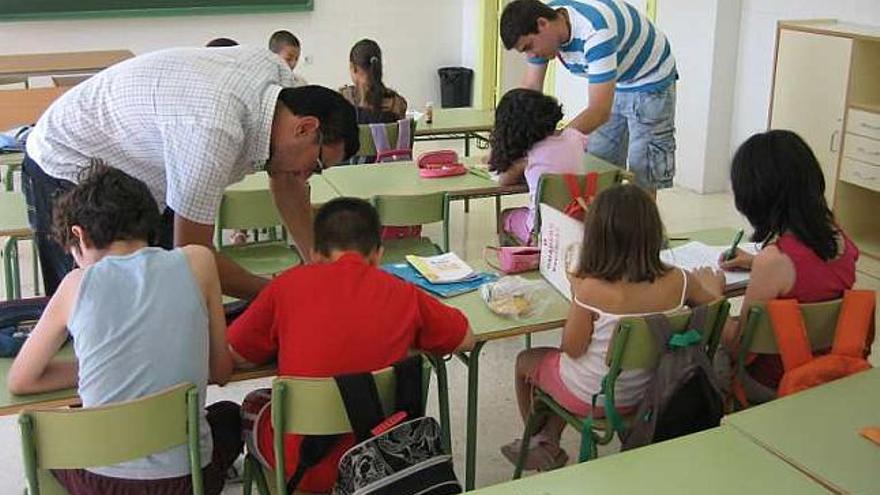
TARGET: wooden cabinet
(826,87)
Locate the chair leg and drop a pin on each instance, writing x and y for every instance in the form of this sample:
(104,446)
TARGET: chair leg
(528,338)
(528,431)
(467,205)
(35,266)
(246,476)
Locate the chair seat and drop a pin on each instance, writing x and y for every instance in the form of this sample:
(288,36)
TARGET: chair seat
(395,250)
(263,258)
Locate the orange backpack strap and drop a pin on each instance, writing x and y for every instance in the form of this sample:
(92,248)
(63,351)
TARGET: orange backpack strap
(791,333)
(854,323)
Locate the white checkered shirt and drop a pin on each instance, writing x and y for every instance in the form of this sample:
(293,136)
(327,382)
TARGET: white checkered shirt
(186,121)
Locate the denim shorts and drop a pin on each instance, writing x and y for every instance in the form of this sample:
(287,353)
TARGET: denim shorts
(641,134)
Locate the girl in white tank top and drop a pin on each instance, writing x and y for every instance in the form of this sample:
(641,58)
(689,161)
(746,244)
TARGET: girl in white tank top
(619,274)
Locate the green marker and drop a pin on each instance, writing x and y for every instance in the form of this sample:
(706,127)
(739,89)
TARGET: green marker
(731,253)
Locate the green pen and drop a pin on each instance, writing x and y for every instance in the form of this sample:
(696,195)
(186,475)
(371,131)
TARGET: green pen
(731,253)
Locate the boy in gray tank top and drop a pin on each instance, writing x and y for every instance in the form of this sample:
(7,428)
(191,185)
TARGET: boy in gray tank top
(162,312)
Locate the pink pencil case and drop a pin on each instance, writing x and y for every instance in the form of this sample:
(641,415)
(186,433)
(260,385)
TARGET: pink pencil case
(440,163)
(513,259)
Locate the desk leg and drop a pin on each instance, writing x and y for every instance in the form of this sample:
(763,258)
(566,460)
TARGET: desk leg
(473,389)
(439,365)
(35,265)
(467,144)
(498,213)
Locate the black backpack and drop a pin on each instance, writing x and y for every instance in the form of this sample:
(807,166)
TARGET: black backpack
(17,319)
(684,396)
(407,458)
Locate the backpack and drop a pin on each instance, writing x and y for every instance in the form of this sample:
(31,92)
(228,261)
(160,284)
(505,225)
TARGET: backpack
(577,207)
(17,319)
(802,370)
(683,397)
(400,455)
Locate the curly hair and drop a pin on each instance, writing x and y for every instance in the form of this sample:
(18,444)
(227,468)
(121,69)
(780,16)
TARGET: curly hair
(523,117)
(109,205)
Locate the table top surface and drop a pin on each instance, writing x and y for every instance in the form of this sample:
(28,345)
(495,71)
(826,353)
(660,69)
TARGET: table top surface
(456,120)
(718,461)
(817,430)
(64,62)
(13,215)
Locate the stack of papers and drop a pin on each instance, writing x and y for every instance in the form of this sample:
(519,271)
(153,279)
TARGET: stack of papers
(695,255)
(441,269)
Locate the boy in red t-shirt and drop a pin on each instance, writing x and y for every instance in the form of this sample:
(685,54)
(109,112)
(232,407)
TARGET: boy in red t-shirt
(341,315)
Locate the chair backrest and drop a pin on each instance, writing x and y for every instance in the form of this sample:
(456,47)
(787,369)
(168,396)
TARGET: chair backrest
(553,191)
(633,345)
(416,209)
(246,209)
(380,138)
(314,406)
(106,435)
(820,320)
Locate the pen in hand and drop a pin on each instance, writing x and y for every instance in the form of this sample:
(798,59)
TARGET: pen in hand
(731,253)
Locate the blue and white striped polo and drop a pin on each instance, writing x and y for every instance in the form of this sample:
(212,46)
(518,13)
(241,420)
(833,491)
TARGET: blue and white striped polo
(611,40)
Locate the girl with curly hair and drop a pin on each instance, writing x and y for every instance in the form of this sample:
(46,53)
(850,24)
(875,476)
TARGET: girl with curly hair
(526,145)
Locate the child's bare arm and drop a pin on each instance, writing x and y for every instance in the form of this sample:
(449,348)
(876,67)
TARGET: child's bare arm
(34,370)
(467,343)
(578,330)
(201,260)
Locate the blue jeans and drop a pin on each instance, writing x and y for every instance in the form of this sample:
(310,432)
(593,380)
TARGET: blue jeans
(641,131)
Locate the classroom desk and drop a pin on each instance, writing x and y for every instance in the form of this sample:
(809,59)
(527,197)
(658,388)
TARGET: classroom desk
(456,123)
(817,431)
(49,64)
(719,461)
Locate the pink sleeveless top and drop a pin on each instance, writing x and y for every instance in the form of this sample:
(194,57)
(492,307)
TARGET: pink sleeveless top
(816,280)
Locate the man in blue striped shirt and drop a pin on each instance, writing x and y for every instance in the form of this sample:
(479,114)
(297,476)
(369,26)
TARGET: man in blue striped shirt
(630,72)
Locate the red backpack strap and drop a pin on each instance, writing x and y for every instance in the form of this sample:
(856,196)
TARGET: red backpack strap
(854,323)
(574,189)
(791,333)
(592,186)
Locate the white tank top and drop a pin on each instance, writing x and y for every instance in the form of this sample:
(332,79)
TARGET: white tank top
(583,376)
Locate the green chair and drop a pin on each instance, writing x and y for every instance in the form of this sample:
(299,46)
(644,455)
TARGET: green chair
(254,209)
(820,320)
(632,347)
(406,210)
(106,435)
(314,406)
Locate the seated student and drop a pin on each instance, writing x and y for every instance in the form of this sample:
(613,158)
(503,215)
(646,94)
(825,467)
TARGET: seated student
(620,274)
(375,103)
(778,185)
(287,46)
(526,145)
(341,315)
(221,42)
(142,320)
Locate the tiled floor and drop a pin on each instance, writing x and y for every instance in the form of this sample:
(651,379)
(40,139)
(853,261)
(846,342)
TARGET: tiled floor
(498,420)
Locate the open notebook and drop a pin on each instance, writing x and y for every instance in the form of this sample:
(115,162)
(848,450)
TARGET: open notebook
(697,255)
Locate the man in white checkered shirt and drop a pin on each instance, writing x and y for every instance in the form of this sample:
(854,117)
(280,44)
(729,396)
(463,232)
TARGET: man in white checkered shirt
(189,122)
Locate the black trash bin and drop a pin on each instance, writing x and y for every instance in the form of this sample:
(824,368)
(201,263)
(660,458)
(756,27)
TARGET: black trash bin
(456,85)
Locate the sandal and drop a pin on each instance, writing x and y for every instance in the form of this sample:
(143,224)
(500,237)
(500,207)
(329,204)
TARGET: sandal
(543,456)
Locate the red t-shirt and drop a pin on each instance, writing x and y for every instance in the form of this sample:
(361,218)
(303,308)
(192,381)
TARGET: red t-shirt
(329,319)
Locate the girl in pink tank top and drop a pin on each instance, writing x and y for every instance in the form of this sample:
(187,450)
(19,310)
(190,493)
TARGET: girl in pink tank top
(778,185)
(525,146)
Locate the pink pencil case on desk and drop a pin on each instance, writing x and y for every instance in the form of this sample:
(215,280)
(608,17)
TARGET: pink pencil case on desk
(513,259)
(440,163)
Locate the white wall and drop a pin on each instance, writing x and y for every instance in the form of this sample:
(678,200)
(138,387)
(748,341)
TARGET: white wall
(756,51)
(416,36)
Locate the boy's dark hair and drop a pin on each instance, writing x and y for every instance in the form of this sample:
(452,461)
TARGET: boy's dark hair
(220,42)
(520,18)
(347,224)
(778,185)
(109,205)
(523,117)
(282,38)
(623,235)
(338,117)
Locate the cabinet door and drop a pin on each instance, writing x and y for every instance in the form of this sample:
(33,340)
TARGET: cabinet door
(809,94)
